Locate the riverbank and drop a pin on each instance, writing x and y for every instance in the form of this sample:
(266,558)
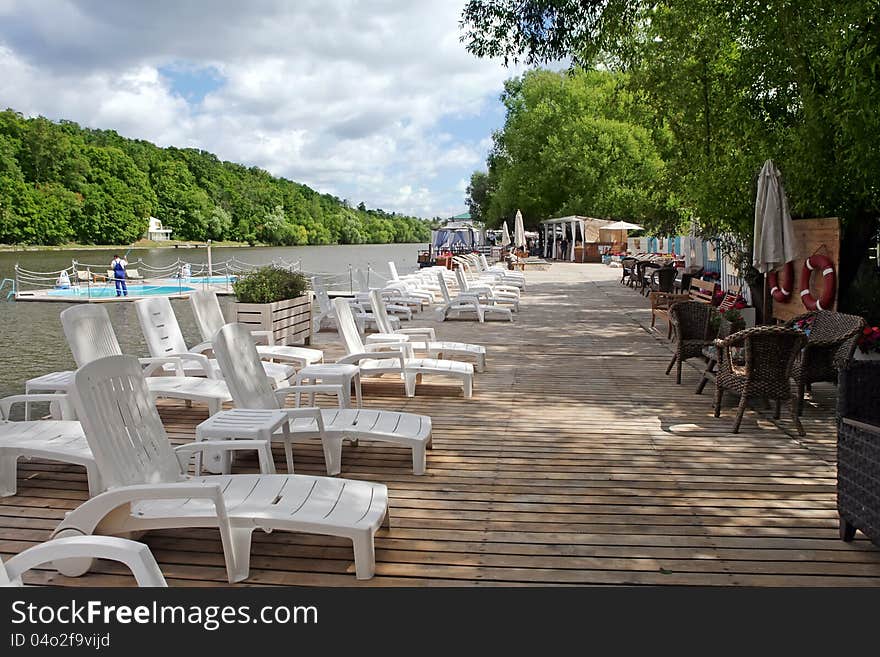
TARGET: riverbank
(142,244)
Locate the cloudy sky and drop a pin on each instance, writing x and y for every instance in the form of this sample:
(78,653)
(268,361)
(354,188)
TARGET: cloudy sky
(374,101)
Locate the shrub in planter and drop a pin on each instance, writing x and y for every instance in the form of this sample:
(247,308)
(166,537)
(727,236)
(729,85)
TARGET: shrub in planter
(275,300)
(270,284)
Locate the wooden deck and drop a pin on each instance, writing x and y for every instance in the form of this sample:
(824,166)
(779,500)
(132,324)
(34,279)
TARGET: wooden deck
(577,462)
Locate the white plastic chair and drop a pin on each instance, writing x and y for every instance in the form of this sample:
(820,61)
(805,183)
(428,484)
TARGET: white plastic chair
(209,318)
(148,490)
(136,556)
(238,359)
(428,342)
(374,362)
(165,339)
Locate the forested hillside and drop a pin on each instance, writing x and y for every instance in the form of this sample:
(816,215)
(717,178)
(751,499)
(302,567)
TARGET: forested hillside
(62,183)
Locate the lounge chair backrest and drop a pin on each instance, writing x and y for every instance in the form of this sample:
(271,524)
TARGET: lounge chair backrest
(393,269)
(132,273)
(121,423)
(322,296)
(206,310)
(242,370)
(462,280)
(443,289)
(380,312)
(160,327)
(348,329)
(89,333)
(484,262)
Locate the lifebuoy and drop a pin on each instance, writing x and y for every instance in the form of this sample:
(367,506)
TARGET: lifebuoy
(781,289)
(824,265)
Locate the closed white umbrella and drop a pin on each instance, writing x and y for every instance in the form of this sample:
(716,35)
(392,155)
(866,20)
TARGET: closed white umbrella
(774,234)
(505,235)
(519,232)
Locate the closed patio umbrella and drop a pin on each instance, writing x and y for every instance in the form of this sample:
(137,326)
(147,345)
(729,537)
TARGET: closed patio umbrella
(774,234)
(505,235)
(519,232)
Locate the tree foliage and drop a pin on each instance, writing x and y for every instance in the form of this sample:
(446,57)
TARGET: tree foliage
(730,84)
(60,183)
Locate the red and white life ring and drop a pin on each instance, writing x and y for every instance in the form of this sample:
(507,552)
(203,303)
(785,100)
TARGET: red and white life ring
(824,265)
(781,289)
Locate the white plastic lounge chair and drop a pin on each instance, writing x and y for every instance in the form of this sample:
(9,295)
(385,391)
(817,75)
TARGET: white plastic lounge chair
(147,490)
(238,359)
(59,439)
(467,303)
(164,339)
(209,318)
(510,277)
(428,341)
(326,311)
(90,336)
(487,294)
(375,363)
(497,278)
(136,556)
(401,301)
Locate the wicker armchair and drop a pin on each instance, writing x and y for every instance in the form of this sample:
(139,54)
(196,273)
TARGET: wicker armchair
(712,353)
(691,331)
(761,367)
(628,267)
(648,275)
(858,450)
(830,346)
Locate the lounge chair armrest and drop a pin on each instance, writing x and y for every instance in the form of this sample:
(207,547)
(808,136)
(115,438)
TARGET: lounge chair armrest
(136,556)
(281,394)
(202,348)
(157,363)
(203,361)
(67,411)
(268,335)
(307,412)
(263,448)
(357,358)
(83,518)
(427,331)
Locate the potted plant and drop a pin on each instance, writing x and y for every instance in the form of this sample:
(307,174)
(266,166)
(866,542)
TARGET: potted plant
(276,300)
(868,344)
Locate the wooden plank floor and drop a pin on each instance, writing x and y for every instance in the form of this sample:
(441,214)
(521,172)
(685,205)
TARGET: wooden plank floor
(577,462)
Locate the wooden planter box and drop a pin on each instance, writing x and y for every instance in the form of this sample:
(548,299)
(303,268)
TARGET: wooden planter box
(290,320)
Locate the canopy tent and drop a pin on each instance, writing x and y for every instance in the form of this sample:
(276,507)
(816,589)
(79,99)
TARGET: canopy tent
(584,229)
(457,235)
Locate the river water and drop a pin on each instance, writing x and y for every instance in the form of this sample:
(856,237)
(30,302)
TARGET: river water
(32,342)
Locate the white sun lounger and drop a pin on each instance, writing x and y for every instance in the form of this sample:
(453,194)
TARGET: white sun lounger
(429,343)
(59,440)
(136,556)
(238,359)
(486,293)
(466,304)
(164,339)
(376,363)
(147,490)
(209,319)
(326,311)
(90,336)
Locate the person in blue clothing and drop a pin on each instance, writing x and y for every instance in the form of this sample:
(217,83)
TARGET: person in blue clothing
(119,264)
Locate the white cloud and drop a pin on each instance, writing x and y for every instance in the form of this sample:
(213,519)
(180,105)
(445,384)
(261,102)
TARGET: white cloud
(346,97)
